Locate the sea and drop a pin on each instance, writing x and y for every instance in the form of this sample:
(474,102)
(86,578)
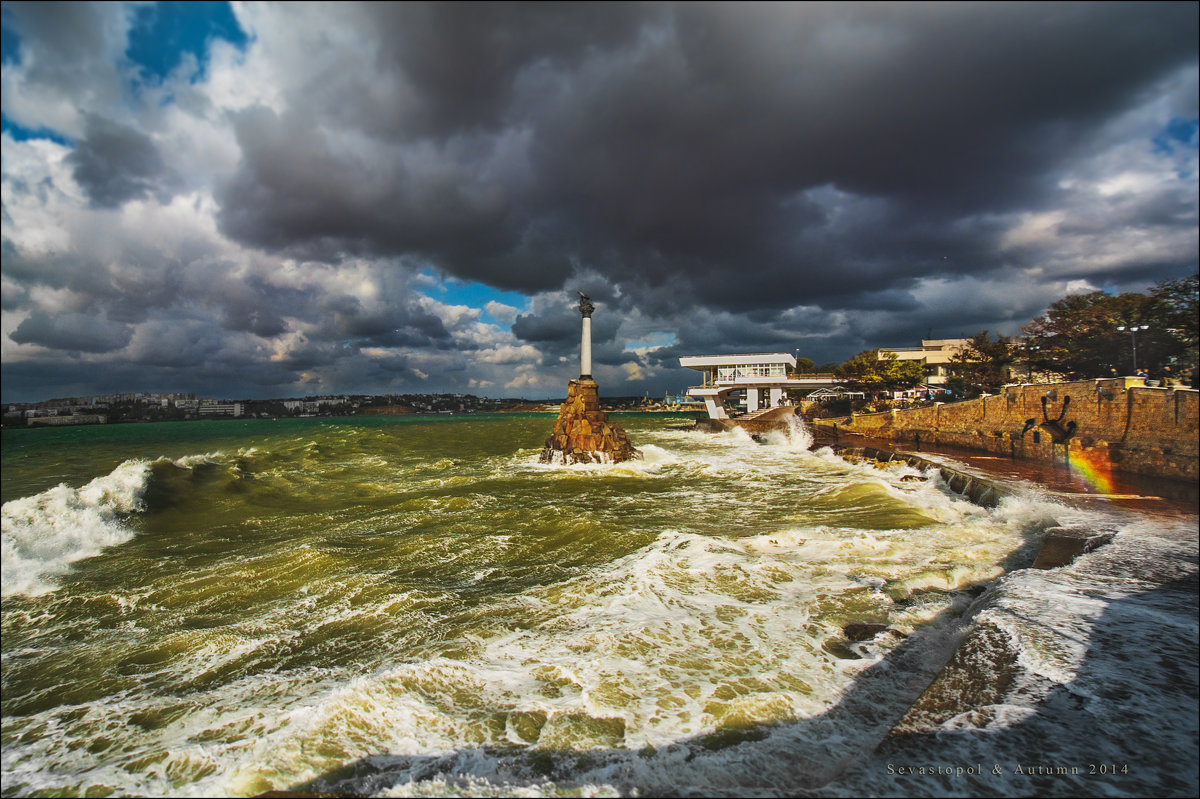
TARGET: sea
(415,606)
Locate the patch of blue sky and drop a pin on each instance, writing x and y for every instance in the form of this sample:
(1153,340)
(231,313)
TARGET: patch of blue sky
(454,291)
(1179,131)
(652,341)
(10,42)
(22,133)
(161,33)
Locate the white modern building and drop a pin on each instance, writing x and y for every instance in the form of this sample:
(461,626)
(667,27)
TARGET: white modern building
(935,355)
(764,377)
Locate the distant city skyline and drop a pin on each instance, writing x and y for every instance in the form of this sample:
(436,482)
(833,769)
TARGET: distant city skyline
(192,397)
(270,200)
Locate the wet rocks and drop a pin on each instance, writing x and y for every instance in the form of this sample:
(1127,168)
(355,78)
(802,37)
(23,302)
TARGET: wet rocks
(1063,544)
(583,433)
(865,632)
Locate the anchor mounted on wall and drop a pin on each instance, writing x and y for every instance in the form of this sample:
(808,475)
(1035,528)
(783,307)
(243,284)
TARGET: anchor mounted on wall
(1058,432)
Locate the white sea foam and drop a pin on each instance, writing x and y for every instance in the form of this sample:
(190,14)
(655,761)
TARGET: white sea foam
(653,459)
(653,455)
(44,534)
(692,631)
(192,461)
(1104,645)
(616,659)
(796,435)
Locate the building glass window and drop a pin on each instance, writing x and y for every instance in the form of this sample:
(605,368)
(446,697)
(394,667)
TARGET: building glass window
(757,370)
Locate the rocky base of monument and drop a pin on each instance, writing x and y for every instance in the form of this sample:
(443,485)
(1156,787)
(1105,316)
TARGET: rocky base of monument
(583,433)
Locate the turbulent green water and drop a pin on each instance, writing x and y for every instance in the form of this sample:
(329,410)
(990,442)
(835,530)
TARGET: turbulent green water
(233,607)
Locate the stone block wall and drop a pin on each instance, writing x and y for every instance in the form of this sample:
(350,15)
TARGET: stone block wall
(1114,423)
(583,434)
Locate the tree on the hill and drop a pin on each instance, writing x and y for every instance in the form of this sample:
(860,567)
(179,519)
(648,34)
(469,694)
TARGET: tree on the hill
(1177,313)
(1079,335)
(871,371)
(983,363)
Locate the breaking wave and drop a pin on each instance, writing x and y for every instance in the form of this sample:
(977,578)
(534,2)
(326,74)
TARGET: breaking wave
(45,533)
(420,608)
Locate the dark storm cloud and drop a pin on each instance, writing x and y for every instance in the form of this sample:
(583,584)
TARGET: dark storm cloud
(73,332)
(115,163)
(725,177)
(940,111)
(54,270)
(684,143)
(556,327)
(464,60)
(392,327)
(177,345)
(251,317)
(298,192)
(912,100)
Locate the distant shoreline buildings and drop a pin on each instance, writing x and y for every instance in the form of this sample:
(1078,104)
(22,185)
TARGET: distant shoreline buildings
(151,407)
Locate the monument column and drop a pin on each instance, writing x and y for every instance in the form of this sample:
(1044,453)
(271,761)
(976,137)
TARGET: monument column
(583,432)
(585,344)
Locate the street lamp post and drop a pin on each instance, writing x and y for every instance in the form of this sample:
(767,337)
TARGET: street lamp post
(1029,349)
(1133,329)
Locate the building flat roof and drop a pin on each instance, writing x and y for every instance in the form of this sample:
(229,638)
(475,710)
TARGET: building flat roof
(749,359)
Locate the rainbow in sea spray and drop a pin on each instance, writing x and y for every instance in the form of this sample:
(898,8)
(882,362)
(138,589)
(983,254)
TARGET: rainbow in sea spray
(1095,468)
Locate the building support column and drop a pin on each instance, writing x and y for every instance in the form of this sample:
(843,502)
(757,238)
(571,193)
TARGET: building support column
(715,408)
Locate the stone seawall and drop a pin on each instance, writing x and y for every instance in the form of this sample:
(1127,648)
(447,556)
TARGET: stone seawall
(1112,424)
(980,490)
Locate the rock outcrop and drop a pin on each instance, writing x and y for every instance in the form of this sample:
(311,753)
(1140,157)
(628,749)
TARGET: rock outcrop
(583,433)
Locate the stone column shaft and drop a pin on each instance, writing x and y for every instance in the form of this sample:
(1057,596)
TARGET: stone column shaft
(585,349)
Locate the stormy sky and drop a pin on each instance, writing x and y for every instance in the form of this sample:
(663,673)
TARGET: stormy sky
(277,200)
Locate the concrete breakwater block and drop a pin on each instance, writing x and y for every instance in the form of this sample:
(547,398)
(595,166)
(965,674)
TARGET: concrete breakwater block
(978,489)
